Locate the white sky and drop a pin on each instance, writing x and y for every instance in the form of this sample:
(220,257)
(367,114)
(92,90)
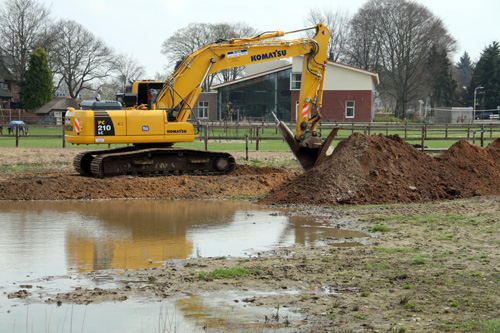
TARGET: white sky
(140,27)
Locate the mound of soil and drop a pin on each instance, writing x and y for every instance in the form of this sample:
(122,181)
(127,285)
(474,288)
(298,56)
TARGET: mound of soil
(385,169)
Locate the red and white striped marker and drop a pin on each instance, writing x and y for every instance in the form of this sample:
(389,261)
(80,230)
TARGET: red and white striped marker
(305,110)
(77,125)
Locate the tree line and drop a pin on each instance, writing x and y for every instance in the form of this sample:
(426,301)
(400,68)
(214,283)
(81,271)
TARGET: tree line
(403,41)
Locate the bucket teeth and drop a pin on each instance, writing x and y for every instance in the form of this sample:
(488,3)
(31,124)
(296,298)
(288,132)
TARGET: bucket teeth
(312,151)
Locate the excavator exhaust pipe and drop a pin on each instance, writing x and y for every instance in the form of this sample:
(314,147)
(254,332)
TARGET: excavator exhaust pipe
(312,151)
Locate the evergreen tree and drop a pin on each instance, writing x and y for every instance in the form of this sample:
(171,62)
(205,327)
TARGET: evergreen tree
(487,75)
(463,74)
(37,89)
(465,69)
(441,83)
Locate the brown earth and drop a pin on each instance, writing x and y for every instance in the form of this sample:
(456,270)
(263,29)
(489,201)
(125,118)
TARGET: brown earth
(66,184)
(427,267)
(380,169)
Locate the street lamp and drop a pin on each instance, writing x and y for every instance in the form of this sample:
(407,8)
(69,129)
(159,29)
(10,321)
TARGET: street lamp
(474,107)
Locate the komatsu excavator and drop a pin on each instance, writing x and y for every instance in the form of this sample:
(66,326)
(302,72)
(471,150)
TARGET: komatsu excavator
(154,127)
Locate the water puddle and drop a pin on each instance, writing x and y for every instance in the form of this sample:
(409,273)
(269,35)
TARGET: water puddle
(46,245)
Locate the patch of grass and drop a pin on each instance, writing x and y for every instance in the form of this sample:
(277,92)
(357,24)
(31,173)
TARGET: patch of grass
(480,325)
(410,306)
(358,316)
(378,266)
(418,261)
(22,167)
(226,273)
(380,228)
(408,286)
(404,299)
(365,294)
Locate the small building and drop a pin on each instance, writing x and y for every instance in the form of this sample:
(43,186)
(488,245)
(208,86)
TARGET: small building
(53,112)
(453,115)
(9,91)
(348,94)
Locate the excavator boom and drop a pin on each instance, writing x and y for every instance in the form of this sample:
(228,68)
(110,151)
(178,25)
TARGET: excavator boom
(153,127)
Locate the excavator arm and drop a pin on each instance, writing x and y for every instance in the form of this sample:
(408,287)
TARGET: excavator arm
(183,87)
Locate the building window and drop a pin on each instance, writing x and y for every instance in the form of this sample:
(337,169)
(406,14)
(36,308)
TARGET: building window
(295,81)
(203,110)
(349,109)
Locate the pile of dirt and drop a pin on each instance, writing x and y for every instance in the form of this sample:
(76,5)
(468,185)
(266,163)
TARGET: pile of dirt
(381,169)
(246,180)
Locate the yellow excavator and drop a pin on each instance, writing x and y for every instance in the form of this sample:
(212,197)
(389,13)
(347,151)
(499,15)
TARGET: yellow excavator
(152,127)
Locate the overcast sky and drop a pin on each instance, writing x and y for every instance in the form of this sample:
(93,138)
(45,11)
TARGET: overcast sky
(138,28)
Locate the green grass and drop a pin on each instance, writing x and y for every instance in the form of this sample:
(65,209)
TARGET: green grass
(486,326)
(379,228)
(223,273)
(22,167)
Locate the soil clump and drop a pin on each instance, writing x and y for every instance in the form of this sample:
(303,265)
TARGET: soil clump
(381,169)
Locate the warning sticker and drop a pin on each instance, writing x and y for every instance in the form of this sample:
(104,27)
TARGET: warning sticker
(237,53)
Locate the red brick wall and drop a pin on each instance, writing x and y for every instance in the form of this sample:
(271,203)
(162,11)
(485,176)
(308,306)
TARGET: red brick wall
(334,105)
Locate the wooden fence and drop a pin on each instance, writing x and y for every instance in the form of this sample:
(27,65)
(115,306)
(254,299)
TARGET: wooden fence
(417,134)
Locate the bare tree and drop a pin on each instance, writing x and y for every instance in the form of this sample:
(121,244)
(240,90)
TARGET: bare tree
(127,69)
(398,35)
(24,27)
(197,35)
(338,24)
(82,59)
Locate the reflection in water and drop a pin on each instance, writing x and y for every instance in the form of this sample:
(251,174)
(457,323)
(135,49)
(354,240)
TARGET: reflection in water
(79,236)
(43,239)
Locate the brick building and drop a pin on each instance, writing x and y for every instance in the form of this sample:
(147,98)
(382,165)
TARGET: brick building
(348,94)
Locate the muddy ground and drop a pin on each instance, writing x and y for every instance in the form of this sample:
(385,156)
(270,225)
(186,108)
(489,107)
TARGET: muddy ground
(433,265)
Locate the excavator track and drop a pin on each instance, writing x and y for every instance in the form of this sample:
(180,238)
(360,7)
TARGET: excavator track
(82,161)
(150,162)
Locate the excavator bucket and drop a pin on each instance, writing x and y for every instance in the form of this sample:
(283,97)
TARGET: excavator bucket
(309,153)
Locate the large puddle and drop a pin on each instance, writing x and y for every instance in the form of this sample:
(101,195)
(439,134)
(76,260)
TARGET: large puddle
(54,241)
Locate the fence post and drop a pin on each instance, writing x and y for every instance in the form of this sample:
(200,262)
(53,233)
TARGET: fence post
(423,138)
(474,137)
(406,130)
(482,135)
(206,137)
(257,139)
(17,135)
(446,131)
(246,144)
(63,136)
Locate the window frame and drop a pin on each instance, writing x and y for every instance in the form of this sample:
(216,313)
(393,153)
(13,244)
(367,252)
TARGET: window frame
(350,107)
(203,107)
(294,82)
